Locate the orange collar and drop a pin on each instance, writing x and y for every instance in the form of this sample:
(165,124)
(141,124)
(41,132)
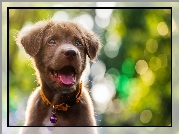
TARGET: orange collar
(63,106)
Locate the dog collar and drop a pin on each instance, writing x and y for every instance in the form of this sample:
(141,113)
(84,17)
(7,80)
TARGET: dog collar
(62,106)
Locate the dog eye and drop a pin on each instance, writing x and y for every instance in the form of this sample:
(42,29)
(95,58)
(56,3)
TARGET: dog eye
(52,41)
(78,43)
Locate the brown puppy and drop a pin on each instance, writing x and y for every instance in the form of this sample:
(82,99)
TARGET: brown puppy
(59,51)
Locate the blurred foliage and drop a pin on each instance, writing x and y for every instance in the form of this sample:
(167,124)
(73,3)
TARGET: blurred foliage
(139,63)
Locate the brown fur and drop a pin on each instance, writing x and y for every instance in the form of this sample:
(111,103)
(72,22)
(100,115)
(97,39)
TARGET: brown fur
(51,56)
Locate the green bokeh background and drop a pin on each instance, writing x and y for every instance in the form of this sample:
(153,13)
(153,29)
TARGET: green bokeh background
(136,27)
(133,26)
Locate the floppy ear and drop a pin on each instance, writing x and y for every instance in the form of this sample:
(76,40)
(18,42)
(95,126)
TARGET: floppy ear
(93,45)
(31,39)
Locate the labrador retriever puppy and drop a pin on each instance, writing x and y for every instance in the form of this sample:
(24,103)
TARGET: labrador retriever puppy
(58,51)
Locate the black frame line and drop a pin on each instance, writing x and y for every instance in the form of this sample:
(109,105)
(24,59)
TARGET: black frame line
(8,47)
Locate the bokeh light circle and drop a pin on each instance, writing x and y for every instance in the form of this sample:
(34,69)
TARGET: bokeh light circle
(162,28)
(111,49)
(152,45)
(128,67)
(146,116)
(155,63)
(141,67)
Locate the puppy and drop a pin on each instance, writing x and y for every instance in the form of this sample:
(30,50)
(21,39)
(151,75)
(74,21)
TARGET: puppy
(58,51)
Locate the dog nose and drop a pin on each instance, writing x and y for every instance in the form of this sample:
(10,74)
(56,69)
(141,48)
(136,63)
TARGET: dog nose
(70,54)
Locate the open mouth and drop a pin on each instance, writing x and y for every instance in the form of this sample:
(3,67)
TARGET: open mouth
(65,75)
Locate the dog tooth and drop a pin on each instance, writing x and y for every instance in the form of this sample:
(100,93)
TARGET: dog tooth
(55,73)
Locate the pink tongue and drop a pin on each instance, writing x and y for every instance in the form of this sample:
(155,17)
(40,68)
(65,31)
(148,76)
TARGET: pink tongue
(66,75)
(66,79)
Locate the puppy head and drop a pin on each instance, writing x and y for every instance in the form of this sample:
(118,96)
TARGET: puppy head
(47,42)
